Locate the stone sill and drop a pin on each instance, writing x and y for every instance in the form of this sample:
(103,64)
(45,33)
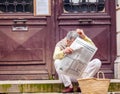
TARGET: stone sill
(45,86)
(42,81)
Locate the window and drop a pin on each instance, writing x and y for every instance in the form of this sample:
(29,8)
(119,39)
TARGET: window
(15,6)
(77,6)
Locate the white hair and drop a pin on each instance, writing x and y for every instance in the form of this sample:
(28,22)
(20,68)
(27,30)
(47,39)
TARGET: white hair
(72,35)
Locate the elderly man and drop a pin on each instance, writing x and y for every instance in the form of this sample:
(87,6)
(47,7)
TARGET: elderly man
(63,48)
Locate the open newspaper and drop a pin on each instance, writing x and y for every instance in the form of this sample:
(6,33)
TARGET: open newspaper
(74,64)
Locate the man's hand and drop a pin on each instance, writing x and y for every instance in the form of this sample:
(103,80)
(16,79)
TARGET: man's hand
(81,33)
(67,50)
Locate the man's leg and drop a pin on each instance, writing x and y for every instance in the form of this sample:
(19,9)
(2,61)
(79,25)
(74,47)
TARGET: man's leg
(64,78)
(92,68)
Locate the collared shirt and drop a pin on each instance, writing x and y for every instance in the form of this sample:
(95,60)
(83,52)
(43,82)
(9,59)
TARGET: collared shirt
(61,45)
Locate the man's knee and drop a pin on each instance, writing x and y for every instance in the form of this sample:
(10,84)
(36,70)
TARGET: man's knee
(97,63)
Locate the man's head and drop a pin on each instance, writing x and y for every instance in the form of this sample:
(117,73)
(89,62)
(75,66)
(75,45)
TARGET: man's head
(71,36)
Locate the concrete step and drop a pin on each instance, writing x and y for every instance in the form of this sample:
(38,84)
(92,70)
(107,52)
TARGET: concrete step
(44,86)
(70,93)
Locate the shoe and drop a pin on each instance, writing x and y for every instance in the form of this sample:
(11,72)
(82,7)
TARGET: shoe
(67,90)
(78,89)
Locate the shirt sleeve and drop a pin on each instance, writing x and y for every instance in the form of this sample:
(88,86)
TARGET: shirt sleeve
(88,40)
(58,53)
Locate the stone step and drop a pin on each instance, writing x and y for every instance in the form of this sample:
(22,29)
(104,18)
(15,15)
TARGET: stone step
(46,86)
(69,93)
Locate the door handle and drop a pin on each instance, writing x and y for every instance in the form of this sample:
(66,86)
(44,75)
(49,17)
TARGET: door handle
(20,20)
(87,21)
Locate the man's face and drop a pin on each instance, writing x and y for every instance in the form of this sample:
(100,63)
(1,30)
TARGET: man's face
(69,42)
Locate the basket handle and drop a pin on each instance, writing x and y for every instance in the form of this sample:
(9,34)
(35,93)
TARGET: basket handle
(100,72)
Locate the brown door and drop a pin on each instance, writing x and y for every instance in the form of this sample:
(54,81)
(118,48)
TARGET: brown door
(25,41)
(97,19)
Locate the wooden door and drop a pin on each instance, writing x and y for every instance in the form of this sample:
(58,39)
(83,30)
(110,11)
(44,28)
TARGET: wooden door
(97,19)
(25,41)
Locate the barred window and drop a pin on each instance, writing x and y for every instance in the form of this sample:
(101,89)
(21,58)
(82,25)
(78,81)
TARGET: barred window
(14,6)
(77,6)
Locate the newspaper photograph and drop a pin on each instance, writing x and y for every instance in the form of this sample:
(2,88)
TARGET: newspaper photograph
(75,63)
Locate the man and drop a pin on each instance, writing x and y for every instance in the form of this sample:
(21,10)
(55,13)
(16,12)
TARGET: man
(63,48)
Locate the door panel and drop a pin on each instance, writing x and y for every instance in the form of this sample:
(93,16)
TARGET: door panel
(25,50)
(98,25)
(98,35)
(23,45)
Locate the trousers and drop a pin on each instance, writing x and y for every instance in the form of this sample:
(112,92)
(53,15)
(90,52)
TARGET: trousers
(91,69)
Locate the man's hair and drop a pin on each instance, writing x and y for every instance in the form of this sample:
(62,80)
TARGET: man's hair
(72,35)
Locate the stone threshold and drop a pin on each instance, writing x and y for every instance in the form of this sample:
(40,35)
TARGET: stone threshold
(70,93)
(44,86)
(42,81)
(30,82)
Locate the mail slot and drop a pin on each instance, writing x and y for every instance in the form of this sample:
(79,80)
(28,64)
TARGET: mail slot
(20,28)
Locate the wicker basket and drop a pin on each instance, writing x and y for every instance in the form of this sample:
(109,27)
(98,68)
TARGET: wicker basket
(94,85)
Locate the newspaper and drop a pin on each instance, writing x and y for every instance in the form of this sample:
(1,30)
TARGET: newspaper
(74,64)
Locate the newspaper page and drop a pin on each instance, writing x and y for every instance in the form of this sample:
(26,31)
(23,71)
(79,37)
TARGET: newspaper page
(75,63)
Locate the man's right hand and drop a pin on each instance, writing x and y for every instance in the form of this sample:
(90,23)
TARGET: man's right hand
(67,50)
(81,33)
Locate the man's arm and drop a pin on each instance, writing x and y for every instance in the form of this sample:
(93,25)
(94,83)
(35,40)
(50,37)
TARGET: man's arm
(88,40)
(59,54)
(84,37)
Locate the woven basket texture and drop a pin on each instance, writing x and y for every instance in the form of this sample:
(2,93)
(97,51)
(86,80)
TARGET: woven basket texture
(94,85)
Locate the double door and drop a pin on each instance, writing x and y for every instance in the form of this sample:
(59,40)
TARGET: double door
(27,42)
